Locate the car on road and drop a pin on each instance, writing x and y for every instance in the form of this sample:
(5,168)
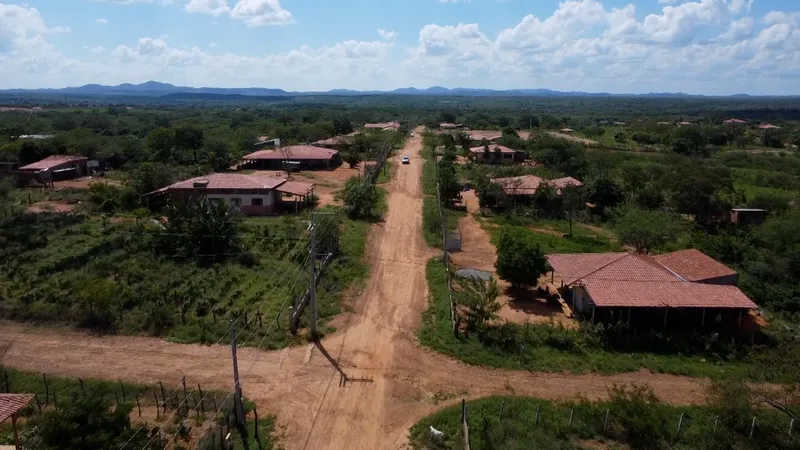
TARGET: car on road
(406,160)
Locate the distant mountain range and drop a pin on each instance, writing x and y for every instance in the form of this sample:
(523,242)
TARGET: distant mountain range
(157,89)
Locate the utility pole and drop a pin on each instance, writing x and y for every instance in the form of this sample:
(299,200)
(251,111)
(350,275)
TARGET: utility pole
(237,386)
(312,264)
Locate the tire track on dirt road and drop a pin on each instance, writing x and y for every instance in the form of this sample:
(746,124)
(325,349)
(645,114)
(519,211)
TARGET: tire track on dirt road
(401,382)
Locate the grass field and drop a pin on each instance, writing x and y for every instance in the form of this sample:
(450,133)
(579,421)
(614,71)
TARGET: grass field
(583,239)
(549,348)
(83,270)
(634,421)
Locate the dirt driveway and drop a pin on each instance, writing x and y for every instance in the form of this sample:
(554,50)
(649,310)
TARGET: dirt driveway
(393,382)
(577,139)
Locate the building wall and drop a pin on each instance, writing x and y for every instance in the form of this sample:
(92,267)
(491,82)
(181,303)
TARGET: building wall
(730,280)
(246,206)
(581,301)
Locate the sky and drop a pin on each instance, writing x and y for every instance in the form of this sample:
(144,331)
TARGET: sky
(714,47)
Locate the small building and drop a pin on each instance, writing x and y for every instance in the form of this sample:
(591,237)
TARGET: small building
(382,126)
(298,157)
(748,216)
(477,137)
(528,185)
(264,142)
(452,126)
(496,154)
(252,194)
(768,126)
(11,406)
(734,122)
(685,123)
(58,167)
(336,142)
(567,130)
(688,288)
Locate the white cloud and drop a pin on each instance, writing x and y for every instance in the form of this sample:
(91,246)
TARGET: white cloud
(702,46)
(739,29)
(387,34)
(256,13)
(98,49)
(211,7)
(213,45)
(133,2)
(101,21)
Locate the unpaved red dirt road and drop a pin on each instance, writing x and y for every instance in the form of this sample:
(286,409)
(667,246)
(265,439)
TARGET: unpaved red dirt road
(393,382)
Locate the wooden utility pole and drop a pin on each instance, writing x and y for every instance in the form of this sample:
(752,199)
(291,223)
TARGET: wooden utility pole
(237,387)
(312,265)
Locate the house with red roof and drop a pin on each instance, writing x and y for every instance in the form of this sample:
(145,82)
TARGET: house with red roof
(528,185)
(293,157)
(687,287)
(495,154)
(252,194)
(58,167)
(382,126)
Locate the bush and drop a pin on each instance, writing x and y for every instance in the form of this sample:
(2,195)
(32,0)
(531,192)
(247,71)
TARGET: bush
(520,260)
(361,198)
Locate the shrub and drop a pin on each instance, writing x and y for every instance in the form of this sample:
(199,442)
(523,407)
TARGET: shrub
(520,260)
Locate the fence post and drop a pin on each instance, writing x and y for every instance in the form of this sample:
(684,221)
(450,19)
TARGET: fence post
(716,422)
(680,424)
(155,395)
(164,396)
(122,386)
(46,387)
(537,416)
(202,400)
(8,386)
(502,405)
(571,413)
(139,406)
(38,403)
(83,389)
(605,421)
(752,427)
(791,426)
(465,423)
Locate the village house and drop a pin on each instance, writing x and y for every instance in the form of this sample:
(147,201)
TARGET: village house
(748,216)
(479,137)
(382,126)
(56,167)
(336,142)
(495,154)
(527,185)
(567,131)
(251,194)
(734,122)
(293,157)
(686,289)
(452,126)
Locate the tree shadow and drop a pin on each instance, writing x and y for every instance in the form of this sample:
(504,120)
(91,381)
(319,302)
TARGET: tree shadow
(525,300)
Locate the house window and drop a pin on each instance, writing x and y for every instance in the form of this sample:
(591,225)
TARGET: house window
(507,156)
(257,201)
(236,202)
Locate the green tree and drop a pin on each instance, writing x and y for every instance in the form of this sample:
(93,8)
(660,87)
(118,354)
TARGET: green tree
(161,143)
(646,230)
(88,423)
(342,125)
(520,260)
(352,158)
(604,192)
(149,176)
(189,138)
(449,184)
(218,154)
(572,200)
(200,228)
(480,299)
(361,198)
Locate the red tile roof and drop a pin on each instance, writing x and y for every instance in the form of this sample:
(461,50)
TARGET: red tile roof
(768,126)
(294,152)
(734,121)
(295,187)
(488,135)
(383,126)
(669,294)
(230,181)
(492,149)
(53,161)
(336,140)
(694,265)
(529,184)
(10,404)
(523,185)
(627,279)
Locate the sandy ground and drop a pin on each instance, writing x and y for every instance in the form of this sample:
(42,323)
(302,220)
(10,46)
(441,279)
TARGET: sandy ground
(573,138)
(478,252)
(51,206)
(326,182)
(84,182)
(392,381)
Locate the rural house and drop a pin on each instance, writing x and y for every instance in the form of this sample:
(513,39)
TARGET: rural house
(495,154)
(57,167)
(253,195)
(296,157)
(687,288)
(336,142)
(452,126)
(527,185)
(382,126)
(478,137)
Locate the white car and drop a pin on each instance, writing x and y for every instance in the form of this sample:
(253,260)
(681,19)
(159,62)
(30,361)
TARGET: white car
(406,160)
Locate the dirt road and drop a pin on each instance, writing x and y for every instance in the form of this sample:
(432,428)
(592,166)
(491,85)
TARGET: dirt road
(393,382)
(572,138)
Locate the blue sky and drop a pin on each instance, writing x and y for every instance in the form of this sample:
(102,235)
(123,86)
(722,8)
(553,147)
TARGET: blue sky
(698,46)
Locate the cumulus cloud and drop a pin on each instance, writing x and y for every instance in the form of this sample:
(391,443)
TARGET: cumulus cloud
(387,35)
(257,13)
(211,7)
(101,21)
(703,46)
